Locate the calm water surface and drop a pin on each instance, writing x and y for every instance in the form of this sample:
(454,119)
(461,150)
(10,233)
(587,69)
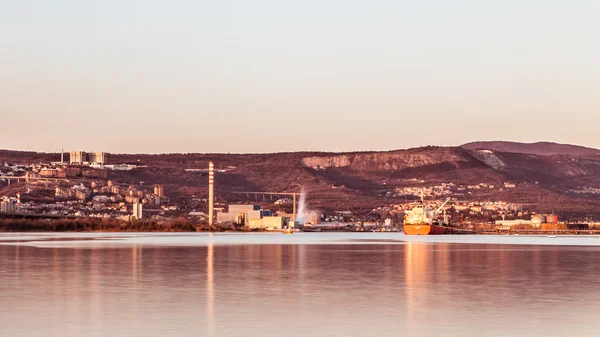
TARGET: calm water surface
(306,284)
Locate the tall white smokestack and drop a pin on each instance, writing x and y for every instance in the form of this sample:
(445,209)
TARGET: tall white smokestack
(211,192)
(62,156)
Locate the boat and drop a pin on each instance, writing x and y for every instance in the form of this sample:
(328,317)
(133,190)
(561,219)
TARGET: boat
(420,220)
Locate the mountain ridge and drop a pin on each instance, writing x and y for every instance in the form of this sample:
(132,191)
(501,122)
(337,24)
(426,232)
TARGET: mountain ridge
(538,148)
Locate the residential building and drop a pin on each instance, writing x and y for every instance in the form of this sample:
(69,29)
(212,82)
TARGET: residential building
(8,206)
(82,194)
(132,200)
(53,173)
(97,157)
(137,211)
(77,157)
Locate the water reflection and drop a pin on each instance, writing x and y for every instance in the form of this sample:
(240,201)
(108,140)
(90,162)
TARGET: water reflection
(415,289)
(415,260)
(210,295)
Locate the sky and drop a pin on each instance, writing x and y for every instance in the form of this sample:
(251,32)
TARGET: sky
(244,76)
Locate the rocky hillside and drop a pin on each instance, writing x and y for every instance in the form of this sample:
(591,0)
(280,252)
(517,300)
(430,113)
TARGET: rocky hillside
(389,161)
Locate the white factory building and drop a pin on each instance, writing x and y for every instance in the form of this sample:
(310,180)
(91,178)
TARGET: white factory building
(251,216)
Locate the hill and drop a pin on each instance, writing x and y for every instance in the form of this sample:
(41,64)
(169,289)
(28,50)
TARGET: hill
(539,148)
(547,175)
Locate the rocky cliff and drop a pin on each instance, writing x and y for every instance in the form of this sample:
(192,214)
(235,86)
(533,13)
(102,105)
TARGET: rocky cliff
(389,161)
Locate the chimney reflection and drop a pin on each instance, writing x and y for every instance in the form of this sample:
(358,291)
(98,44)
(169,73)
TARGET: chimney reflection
(210,292)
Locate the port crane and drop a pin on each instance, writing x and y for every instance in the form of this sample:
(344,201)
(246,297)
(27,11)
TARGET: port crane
(437,211)
(440,208)
(430,214)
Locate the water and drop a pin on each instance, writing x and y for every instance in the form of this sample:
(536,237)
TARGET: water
(311,284)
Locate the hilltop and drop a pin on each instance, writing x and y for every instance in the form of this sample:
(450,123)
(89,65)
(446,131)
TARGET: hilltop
(538,148)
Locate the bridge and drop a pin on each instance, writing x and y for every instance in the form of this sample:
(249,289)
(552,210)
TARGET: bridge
(36,216)
(19,178)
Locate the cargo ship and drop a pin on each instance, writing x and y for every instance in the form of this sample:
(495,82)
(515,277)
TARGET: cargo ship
(424,220)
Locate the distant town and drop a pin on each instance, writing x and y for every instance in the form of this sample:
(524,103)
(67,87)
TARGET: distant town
(80,188)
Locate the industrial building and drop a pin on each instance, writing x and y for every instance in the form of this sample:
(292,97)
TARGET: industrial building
(543,222)
(239,214)
(268,222)
(251,216)
(311,217)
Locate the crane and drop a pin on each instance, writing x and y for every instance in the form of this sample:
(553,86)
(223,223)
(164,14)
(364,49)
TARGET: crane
(440,208)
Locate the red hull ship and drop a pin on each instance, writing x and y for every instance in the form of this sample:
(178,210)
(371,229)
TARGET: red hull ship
(420,221)
(425,229)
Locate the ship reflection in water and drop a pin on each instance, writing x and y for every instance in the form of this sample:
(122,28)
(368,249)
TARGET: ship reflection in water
(375,289)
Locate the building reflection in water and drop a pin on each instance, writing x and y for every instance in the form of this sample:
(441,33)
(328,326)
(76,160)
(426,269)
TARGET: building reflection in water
(136,274)
(136,264)
(95,288)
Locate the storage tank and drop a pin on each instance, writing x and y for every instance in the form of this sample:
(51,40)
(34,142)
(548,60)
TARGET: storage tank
(551,219)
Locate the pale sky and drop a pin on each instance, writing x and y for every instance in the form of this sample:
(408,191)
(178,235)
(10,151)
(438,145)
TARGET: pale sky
(274,75)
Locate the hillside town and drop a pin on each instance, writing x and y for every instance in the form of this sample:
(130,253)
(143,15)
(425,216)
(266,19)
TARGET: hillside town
(84,187)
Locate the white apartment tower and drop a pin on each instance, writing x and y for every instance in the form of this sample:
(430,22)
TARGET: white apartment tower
(77,157)
(97,157)
(137,211)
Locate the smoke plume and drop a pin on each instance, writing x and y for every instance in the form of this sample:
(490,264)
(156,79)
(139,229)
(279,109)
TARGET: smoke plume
(301,207)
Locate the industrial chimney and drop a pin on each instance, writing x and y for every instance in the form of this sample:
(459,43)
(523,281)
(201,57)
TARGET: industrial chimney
(211,192)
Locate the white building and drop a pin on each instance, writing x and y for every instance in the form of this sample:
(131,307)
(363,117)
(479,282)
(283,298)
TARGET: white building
(137,211)
(97,157)
(268,222)
(77,157)
(8,206)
